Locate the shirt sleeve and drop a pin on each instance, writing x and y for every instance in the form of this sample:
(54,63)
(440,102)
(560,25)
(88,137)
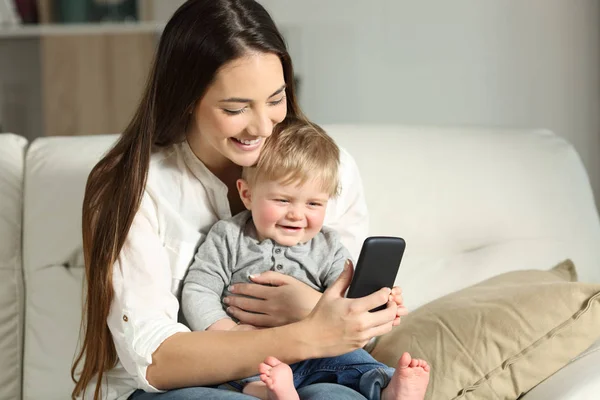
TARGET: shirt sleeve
(341,254)
(143,311)
(348,214)
(206,279)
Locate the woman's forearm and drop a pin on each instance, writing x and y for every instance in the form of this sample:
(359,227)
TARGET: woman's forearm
(212,357)
(336,326)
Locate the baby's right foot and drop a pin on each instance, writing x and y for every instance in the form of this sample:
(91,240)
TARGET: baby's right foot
(409,381)
(279,380)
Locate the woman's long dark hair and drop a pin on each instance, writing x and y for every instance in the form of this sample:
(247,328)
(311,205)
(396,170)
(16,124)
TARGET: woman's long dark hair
(201,36)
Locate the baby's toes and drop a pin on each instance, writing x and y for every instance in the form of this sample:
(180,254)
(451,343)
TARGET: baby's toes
(272,361)
(264,368)
(270,384)
(426,366)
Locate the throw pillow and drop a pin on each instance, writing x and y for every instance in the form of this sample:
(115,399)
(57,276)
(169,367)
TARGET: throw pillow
(501,337)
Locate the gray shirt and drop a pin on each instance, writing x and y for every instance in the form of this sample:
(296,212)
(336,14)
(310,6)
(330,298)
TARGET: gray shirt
(232,252)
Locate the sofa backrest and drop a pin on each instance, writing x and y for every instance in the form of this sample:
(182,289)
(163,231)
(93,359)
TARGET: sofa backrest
(472,203)
(12,153)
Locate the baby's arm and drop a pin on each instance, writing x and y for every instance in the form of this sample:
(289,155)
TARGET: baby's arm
(206,280)
(227,324)
(224,324)
(340,256)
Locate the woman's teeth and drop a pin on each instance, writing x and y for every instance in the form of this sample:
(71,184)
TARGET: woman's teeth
(248,142)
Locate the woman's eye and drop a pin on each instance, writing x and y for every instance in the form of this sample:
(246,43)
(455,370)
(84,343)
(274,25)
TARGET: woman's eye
(277,102)
(234,112)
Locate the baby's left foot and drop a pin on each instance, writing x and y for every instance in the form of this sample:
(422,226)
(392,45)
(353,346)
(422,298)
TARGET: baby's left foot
(409,381)
(279,380)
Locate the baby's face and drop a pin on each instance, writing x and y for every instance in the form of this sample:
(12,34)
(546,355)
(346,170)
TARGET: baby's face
(288,214)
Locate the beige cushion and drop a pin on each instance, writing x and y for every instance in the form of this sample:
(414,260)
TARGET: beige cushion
(501,337)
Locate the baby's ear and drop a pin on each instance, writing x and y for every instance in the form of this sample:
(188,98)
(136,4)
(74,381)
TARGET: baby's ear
(245,193)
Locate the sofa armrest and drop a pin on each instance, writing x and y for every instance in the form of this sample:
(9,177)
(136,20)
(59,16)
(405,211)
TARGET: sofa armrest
(12,154)
(579,380)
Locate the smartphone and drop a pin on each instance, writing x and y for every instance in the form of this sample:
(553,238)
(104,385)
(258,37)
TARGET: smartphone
(377,266)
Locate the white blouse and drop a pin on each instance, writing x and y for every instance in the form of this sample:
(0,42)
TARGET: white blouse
(181,201)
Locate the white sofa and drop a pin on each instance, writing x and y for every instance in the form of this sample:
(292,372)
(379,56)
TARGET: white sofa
(471,203)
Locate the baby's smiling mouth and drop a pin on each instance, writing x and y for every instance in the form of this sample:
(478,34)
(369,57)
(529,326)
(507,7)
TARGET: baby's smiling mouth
(293,228)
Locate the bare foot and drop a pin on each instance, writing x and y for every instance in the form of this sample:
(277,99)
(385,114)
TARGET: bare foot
(277,382)
(409,381)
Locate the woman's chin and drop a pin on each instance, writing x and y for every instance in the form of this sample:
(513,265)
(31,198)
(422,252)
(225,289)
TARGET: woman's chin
(244,160)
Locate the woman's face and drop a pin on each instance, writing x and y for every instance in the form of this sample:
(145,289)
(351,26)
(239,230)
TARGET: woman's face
(238,111)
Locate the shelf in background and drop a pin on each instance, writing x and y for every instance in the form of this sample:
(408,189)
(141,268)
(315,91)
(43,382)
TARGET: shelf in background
(29,31)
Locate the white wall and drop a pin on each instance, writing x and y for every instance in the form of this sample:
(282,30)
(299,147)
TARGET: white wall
(510,63)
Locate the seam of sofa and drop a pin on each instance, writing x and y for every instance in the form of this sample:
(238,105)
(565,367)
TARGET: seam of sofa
(23,299)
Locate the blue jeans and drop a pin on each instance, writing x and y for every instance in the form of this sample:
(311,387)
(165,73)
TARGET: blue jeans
(357,370)
(319,391)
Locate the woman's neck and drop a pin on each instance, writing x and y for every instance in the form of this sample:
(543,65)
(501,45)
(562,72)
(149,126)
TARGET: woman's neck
(229,176)
(225,170)
(220,166)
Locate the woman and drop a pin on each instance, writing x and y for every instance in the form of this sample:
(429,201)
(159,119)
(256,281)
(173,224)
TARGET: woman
(222,78)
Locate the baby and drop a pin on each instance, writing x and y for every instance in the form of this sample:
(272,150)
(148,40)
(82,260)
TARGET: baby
(286,194)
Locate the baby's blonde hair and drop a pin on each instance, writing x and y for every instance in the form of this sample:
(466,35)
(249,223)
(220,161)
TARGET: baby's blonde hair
(297,151)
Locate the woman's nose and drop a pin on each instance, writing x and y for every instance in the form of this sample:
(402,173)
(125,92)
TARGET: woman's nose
(261,125)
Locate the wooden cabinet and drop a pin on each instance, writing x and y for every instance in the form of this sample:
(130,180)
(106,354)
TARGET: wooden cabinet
(86,81)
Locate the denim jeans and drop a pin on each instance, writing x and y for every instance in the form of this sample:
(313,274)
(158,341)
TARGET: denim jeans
(357,370)
(318,391)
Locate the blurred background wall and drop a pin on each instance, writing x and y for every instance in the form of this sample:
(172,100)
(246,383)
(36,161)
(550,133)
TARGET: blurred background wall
(508,63)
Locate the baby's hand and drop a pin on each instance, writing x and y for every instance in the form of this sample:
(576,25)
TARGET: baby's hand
(396,297)
(243,327)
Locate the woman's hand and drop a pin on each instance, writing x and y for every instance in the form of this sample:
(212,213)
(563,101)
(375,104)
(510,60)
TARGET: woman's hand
(396,297)
(275,299)
(338,325)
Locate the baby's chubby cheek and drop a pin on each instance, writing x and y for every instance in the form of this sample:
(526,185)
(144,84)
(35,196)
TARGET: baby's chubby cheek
(316,221)
(268,216)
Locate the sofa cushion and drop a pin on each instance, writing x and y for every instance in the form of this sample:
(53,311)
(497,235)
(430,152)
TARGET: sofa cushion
(501,337)
(55,177)
(12,154)
(474,203)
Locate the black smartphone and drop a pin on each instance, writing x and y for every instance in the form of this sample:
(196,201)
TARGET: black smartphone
(377,266)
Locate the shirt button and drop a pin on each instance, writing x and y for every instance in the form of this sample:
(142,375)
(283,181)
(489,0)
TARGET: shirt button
(125,318)
(277,251)
(279,267)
